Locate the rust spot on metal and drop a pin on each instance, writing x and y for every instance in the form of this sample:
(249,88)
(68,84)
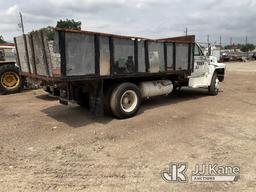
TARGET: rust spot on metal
(181,39)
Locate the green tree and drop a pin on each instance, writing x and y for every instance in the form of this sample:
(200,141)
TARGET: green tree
(2,39)
(242,47)
(69,24)
(49,32)
(247,47)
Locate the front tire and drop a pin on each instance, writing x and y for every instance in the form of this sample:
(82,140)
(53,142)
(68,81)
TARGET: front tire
(125,100)
(10,80)
(213,89)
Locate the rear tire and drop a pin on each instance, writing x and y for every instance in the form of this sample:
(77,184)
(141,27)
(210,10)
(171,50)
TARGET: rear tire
(10,80)
(213,89)
(125,100)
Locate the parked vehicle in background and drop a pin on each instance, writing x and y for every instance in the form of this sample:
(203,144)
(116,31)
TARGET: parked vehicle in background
(10,79)
(254,56)
(113,73)
(234,56)
(211,50)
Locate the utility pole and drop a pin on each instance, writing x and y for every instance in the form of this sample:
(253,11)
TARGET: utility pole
(21,23)
(220,42)
(208,44)
(208,40)
(186,31)
(231,43)
(246,43)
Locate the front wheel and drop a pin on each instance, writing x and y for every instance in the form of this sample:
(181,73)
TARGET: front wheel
(125,100)
(10,80)
(213,89)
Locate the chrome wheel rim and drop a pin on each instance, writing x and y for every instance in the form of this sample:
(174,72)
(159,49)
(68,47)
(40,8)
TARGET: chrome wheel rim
(129,101)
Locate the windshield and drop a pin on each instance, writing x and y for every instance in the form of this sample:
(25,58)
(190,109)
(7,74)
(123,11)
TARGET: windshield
(198,51)
(9,54)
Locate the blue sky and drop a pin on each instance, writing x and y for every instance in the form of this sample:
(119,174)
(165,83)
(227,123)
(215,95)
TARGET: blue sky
(147,18)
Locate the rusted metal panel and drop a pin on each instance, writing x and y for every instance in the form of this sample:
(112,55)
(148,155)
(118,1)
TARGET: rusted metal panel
(181,39)
(169,53)
(22,53)
(100,34)
(17,52)
(41,77)
(47,53)
(26,50)
(30,53)
(182,56)
(141,56)
(55,59)
(156,56)
(123,56)
(40,60)
(104,56)
(80,54)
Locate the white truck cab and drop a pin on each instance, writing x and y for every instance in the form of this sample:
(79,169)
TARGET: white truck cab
(208,73)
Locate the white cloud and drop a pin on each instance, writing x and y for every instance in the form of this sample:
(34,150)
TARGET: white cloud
(12,10)
(149,18)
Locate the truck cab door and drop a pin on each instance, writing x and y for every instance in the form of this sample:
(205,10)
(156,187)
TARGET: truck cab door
(200,62)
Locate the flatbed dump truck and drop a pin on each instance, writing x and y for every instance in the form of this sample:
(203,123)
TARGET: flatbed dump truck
(113,73)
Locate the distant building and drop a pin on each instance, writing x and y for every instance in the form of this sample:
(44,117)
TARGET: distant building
(7,45)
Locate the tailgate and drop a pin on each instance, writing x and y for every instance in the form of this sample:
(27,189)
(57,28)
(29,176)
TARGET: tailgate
(36,56)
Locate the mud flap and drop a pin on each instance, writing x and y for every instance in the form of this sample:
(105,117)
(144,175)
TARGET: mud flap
(96,99)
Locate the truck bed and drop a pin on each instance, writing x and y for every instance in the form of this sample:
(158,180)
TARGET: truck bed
(82,55)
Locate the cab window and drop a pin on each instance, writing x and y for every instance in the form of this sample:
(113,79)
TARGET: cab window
(197,51)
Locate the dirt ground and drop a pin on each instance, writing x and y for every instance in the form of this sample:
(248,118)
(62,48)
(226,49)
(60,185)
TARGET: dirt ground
(45,146)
